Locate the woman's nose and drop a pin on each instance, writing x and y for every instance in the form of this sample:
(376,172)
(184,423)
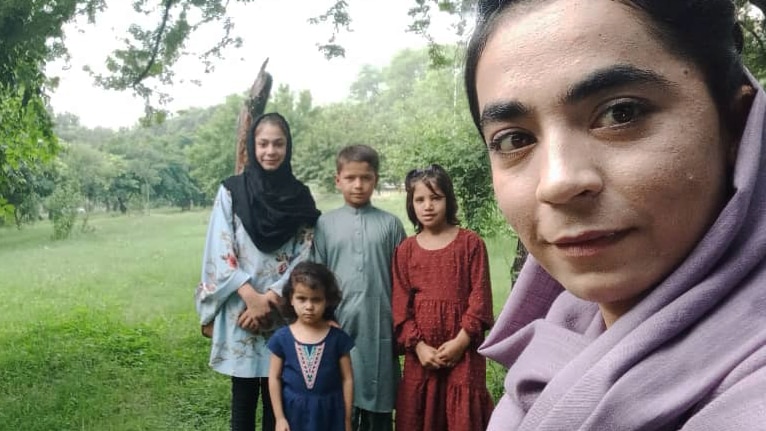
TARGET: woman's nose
(567,169)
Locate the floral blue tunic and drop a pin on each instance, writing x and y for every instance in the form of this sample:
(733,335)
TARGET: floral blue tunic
(231,259)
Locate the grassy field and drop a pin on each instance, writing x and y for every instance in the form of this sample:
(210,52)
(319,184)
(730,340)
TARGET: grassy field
(99,332)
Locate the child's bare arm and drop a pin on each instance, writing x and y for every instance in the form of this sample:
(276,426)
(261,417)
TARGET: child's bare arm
(347,377)
(275,391)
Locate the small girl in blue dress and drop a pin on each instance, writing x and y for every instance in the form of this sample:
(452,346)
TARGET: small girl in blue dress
(310,379)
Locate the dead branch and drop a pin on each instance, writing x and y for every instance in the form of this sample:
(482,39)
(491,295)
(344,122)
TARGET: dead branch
(254,106)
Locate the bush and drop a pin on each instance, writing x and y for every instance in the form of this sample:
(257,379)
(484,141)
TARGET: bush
(62,209)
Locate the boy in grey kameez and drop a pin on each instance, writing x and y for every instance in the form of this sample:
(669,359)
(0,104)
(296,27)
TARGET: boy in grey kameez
(357,242)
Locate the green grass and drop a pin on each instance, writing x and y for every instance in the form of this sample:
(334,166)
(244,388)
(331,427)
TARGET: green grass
(99,332)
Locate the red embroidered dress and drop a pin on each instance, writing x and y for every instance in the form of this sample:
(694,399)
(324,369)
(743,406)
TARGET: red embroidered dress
(435,294)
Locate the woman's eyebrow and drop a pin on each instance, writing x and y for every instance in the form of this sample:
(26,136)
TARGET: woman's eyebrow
(601,80)
(503,111)
(612,77)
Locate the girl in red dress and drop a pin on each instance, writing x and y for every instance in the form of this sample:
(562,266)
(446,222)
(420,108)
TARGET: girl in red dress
(442,304)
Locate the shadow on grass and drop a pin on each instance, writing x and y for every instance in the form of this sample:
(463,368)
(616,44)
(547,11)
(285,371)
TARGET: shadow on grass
(95,373)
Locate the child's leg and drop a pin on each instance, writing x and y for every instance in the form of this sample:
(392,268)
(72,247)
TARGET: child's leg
(364,420)
(244,398)
(268,420)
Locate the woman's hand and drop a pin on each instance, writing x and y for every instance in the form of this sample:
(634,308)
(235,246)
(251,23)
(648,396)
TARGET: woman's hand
(207,330)
(451,352)
(428,356)
(282,425)
(257,302)
(248,320)
(258,307)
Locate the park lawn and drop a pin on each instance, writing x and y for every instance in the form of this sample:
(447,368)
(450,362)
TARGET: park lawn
(99,332)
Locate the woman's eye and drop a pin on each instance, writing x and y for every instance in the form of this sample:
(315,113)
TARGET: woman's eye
(508,142)
(620,113)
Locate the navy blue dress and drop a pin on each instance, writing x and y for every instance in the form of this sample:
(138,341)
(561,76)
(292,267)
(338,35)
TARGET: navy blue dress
(312,389)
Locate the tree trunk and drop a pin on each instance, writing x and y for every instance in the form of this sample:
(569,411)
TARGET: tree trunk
(518,261)
(760,4)
(254,106)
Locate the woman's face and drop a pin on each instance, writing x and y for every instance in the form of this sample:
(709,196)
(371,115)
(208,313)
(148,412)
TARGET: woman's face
(270,146)
(607,153)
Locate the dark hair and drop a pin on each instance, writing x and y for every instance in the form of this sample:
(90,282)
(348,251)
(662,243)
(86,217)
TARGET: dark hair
(433,176)
(275,119)
(705,32)
(358,153)
(315,276)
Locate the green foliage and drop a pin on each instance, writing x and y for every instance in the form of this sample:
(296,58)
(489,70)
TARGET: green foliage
(62,207)
(412,110)
(414,114)
(27,144)
(495,380)
(211,155)
(339,16)
(421,15)
(754,50)
(145,63)
(30,184)
(30,35)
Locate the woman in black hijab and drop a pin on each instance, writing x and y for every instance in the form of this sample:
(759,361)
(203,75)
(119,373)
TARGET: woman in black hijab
(261,226)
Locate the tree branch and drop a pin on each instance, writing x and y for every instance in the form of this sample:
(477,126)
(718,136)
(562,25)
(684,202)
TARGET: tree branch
(158,39)
(254,105)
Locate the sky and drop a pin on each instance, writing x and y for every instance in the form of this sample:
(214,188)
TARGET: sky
(274,29)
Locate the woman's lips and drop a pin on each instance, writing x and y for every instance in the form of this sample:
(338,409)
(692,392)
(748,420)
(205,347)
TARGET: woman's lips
(588,244)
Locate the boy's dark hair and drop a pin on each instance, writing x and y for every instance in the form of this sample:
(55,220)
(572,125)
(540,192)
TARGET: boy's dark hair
(704,32)
(314,276)
(358,153)
(433,176)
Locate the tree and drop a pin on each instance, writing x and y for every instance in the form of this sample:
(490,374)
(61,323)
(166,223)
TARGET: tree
(211,156)
(32,184)
(31,35)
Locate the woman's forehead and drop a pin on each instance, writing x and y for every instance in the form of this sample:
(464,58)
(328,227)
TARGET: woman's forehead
(553,46)
(269,129)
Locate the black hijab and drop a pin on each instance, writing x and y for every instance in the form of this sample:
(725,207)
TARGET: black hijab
(272,205)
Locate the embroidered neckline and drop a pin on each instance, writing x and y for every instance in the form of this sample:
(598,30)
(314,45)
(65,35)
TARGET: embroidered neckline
(309,357)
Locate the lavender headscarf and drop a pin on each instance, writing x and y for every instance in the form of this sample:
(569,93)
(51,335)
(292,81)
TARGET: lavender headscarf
(690,356)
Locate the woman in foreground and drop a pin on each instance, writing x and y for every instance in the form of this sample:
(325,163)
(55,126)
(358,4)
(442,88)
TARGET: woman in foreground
(626,143)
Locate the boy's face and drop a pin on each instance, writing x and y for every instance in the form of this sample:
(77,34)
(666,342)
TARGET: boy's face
(356,181)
